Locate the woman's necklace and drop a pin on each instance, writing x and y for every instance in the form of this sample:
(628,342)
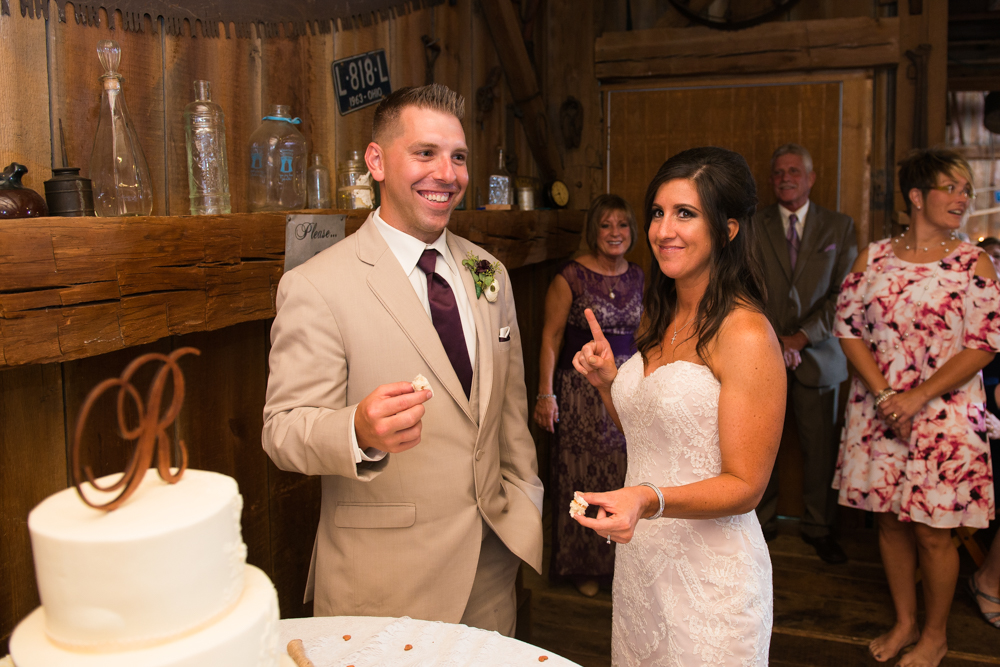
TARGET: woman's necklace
(611,290)
(906,244)
(677,331)
(618,278)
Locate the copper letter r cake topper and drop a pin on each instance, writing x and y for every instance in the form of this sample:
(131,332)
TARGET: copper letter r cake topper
(150,433)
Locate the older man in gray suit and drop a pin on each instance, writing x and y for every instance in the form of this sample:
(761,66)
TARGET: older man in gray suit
(807,252)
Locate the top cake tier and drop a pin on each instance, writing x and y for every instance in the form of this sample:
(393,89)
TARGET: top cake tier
(168,561)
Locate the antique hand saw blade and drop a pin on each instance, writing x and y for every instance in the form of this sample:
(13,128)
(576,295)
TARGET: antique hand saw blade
(212,18)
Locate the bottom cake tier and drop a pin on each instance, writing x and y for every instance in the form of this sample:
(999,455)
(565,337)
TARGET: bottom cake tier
(245,637)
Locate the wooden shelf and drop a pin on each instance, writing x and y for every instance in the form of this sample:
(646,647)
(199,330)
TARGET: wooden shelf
(79,287)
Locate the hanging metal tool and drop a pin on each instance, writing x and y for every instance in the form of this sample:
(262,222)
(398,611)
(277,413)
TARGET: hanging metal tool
(432,49)
(917,72)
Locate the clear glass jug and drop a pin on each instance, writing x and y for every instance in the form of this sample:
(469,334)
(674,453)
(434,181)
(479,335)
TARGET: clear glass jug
(278,155)
(208,169)
(118,166)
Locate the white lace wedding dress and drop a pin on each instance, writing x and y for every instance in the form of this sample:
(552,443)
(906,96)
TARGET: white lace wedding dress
(686,593)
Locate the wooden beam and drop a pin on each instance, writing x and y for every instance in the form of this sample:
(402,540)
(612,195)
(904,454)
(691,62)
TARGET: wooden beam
(772,47)
(506,32)
(78,287)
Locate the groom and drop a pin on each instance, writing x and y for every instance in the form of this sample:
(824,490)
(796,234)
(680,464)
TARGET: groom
(430,499)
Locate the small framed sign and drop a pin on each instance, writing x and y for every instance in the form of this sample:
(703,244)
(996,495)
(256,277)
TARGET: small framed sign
(308,234)
(361,81)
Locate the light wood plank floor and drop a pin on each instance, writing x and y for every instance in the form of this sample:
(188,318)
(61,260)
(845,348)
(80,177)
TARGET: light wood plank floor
(824,615)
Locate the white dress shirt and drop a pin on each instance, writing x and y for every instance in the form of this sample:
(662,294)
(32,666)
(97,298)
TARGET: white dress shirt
(801,213)
(408,250)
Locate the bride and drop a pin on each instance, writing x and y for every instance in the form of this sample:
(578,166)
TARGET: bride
(701,405)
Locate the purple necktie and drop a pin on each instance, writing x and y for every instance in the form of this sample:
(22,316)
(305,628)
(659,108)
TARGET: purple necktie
(793,239)
(447,321)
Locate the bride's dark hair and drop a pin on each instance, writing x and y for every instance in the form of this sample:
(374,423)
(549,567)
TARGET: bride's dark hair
(727,190)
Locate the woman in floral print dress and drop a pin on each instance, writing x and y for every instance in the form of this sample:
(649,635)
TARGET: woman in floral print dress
(918,318)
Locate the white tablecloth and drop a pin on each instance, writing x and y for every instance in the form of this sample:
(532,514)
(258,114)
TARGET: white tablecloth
(383,641)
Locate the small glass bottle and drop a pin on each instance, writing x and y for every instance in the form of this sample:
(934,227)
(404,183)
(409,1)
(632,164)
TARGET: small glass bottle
(354,186)
(208,169)
(278,155)
(318,183)
(500,190)
(118,166)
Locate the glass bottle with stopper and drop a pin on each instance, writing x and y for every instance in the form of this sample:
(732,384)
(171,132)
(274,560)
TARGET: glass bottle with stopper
(501,195)
(205,138)
(118,167)
(278,156)
(318,184)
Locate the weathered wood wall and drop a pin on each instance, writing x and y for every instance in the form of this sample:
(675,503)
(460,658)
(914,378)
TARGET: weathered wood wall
(49,71)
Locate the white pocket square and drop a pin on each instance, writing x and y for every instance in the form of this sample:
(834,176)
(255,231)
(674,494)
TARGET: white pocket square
(504,334)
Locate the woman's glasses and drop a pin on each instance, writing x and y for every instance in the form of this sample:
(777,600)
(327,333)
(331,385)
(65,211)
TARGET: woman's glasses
(950,189)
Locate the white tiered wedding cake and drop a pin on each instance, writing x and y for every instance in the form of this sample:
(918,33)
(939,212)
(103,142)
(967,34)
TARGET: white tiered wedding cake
(162,581)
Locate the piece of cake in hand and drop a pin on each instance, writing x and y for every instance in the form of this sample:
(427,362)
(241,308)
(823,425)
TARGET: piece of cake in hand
(578,506)
(420,383)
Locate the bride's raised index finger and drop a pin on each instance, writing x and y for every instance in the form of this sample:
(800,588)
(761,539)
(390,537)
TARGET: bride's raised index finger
(595,327)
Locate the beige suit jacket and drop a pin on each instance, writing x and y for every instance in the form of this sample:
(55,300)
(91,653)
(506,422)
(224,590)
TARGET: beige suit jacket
(806,298)
(400,536)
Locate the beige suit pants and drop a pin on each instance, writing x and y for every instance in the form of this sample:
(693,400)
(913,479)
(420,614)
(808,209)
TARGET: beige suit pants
(493,601)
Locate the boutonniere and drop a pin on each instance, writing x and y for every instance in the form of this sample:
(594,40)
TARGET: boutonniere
(483,273)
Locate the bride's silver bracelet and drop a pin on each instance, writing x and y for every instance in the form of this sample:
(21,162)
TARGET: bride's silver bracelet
(659,496)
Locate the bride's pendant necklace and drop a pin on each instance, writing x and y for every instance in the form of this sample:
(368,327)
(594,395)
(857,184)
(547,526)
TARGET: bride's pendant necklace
(677,331)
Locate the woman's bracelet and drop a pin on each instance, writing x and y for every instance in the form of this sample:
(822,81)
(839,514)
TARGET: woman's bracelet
(541,396)
(884,395)
(659,496)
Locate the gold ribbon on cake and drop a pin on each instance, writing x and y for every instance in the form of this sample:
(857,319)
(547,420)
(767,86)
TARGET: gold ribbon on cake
(150,433)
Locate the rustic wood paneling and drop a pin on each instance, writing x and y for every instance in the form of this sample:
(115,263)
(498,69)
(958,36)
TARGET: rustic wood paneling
(223,416)
(856,147)
(24,99)
(287,70)
(32,467)
(649,126)
(791,46)
(76,91)
(353,132)
(570,72)
(488,131)
(227,64)
(530,285)
(928,27)
(294,517)
(454,68)
(506,30)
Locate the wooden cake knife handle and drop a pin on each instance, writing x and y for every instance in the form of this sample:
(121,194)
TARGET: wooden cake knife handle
(297,652)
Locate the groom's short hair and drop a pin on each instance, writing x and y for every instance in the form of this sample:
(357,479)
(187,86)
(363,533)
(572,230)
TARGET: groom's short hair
(435,96)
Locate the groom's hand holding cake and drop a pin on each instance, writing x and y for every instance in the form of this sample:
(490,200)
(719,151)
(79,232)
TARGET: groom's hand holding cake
(388,419)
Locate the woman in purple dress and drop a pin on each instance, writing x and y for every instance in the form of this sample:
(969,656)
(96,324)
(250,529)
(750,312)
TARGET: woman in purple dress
(589,450)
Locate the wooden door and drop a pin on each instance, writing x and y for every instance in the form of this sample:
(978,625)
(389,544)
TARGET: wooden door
(830,116)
